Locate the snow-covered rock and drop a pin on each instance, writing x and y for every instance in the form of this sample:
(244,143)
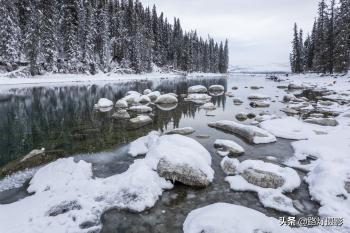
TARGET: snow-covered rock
(270,181)
(121,114)
(293,86)
(237,101)
(199,98)
(288,128)
(153,95)
(144,99)
(147,91)
(208,106)
(216,88)
(197,89)
(289,111)
(166,99)
(141,145)
(229,218)
(231,147)
(229,166)
(33,154)
(260,104)
(121,104)
(252,133)
(104,103)
(132,97)
(140,121)
(322,121)
(258,97)
(182,131)
(140,109)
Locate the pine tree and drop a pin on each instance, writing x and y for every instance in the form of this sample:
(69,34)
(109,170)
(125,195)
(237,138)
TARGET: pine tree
(9,34)
(296,56)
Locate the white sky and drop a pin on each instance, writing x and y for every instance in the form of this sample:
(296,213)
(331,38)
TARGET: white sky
(259,31)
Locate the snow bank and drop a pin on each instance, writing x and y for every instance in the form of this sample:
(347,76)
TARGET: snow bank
(288,128)
(229,218)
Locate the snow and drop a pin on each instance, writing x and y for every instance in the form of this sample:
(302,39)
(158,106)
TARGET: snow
(104,103)
(288,128)
(327,175)
(140,146)
(229,218)
(17,179)
(269,197)
(229,145)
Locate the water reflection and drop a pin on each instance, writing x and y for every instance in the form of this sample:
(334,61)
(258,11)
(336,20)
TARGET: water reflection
(62,118)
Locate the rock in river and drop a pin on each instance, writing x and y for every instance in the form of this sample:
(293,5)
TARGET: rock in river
(166,99)
(197,89)
(121,114)
(140,121)
(229,166)
(104,103)
(263,179)
(322,121)
(252,133)
(182,131)
(231,147)
(216,88)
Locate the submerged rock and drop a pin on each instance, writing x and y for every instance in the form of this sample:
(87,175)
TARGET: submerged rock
(121,114)
(252,133)
(166,99)
(231,147)
(229,166)
(263,179)
(234,88)
(197,89)
(322,121)
(182,131)
(241,116)
(182,173)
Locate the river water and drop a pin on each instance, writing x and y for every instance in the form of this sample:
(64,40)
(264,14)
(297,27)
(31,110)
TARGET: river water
(62,118)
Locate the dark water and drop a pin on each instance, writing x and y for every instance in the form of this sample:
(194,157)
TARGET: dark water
(62,118)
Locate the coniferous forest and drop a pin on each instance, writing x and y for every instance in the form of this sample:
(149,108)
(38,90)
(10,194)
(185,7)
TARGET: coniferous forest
(88,36)
(327,48)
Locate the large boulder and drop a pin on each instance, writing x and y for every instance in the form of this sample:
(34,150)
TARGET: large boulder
(166,99)
(197,89)
(252,133)
(322,121)
(182,173)
(264,179)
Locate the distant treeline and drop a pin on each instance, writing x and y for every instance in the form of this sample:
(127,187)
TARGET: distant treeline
(327,49)
(87,36)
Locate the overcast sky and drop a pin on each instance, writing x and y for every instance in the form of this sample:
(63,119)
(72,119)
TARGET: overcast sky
(259,31)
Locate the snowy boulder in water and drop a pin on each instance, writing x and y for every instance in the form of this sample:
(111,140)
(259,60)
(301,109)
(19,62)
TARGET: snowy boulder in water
(237,101)
(166,99)
(144,99)
(229,166)
(264,179)
(154,95)
(147,91)
(200,98)
(229,146)
(208,106)
(229,218)
(242,116)
(184,160)
(140,109)
(323,121)
(252,133)
(260,104)
(121,114)
(140,121)
(182,131)
(132,97)
(121,104)
(258,97)
(216,88)
(197,89)
(104,103)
